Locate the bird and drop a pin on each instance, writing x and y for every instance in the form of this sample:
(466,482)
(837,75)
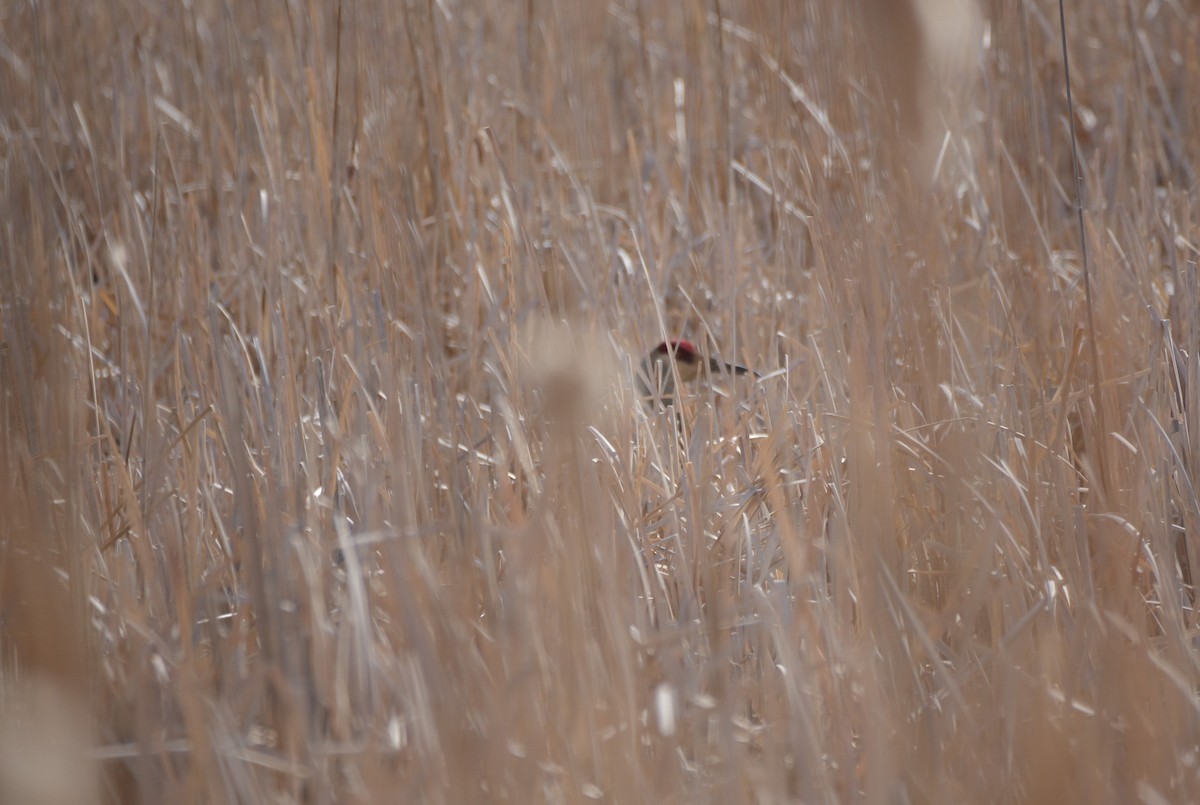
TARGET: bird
(656,380)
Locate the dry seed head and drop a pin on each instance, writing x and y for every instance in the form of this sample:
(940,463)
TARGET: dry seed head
(570,372)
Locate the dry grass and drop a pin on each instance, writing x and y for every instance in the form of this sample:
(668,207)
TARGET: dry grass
(322,480)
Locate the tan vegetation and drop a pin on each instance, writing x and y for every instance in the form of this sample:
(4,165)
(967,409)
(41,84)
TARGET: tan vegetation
(323,479)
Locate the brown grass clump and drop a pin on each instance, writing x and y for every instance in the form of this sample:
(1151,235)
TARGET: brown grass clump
(323,476)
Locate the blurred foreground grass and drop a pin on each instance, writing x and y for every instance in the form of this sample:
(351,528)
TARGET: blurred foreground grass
(322,476)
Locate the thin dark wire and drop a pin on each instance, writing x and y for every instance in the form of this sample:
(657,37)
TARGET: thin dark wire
(1083,252)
